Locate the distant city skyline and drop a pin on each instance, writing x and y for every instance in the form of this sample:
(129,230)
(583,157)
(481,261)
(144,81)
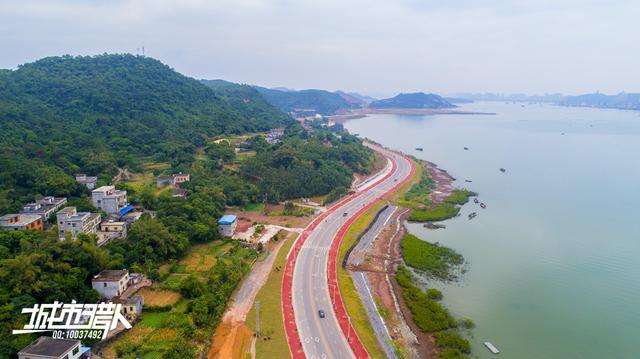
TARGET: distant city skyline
(373,47)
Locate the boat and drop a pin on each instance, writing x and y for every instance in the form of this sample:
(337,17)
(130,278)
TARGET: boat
(466,148)
(503,170)
(491,348)
(475,200)
(472,215)
(482,205)
(419,149)
(468,181)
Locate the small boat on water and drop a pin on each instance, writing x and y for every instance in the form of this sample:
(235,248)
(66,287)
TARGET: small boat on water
(483,206)
(503,170)
(475,200)
(466,148)
(419,149)
(491,348)
(472,215)
(468,181)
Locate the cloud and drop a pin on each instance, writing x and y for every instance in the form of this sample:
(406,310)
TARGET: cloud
(374,46)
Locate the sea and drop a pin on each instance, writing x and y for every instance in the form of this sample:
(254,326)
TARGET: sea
(554,259)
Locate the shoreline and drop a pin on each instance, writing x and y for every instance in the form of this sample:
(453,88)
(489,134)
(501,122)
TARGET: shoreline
(381,265)
(364,112)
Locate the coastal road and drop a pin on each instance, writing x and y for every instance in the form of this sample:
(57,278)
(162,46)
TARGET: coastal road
(311,290)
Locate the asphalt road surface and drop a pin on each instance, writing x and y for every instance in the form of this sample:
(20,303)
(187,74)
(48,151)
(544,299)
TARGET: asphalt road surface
(322,337)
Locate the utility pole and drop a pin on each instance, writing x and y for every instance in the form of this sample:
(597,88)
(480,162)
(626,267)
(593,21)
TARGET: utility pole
(257,318)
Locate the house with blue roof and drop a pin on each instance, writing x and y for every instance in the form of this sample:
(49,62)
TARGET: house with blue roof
(227,225)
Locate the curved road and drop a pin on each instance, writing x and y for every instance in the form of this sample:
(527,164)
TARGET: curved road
(322,337)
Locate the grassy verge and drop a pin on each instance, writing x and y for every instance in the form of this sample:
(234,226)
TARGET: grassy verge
(435,260)
(271,322)
(430,316)
(350,296)
(438,212)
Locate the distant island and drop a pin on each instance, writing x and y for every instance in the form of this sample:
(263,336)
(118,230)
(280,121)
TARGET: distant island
(413,100)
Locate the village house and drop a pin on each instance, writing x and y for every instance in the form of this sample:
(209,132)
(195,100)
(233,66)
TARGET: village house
(179,193)
(131,307)
(87,181)
(44,207)
(71,221)
(49,348)
(19,221)
(173,180)
(227,225)
(111,283)
(111,229)
(109,199)
(274,135)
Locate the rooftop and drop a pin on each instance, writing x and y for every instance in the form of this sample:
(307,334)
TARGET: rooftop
(23,219)
(47,346)
(227,219)
(104,189)
(111,274)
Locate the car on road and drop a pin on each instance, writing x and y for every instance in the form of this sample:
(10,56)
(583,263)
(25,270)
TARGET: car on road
(345,214)
(321,313)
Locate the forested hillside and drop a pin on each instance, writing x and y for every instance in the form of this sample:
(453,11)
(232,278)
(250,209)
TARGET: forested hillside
(306,101)
(62,115)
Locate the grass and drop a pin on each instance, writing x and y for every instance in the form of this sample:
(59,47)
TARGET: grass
(433,259)
(439,212)
(350,296)
(460,196)
(153,319)
(254,207)
(271,320)
(430,316)
(159,298)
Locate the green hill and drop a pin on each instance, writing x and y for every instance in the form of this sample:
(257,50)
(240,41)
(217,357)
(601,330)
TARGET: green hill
(413,100)
(62,115)
(306,102)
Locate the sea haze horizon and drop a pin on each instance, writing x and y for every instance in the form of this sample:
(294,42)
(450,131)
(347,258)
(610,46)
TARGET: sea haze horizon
(552,260)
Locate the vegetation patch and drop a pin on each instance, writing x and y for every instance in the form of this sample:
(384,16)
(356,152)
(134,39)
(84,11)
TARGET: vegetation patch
(159,297)
(273,343)
(430,316)
(460,196)
(439,212)
(433,259)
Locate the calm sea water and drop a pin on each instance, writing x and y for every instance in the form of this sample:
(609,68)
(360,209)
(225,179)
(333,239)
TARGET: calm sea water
(554,260)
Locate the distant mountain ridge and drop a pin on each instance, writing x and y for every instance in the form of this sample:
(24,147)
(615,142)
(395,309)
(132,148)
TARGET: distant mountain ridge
(623,101)
(307,102)
(414,101)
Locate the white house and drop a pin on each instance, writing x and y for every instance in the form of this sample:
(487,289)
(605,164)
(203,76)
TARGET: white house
(227,224)
(109,199)
(71,221)
(111,283)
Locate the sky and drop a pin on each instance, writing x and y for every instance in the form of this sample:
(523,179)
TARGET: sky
(374,47)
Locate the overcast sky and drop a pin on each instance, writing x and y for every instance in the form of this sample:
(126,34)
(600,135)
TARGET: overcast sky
(371,46)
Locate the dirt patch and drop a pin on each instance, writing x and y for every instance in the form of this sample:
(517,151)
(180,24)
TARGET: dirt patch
(159,298)
(285,221)
(443,182)
(231,342)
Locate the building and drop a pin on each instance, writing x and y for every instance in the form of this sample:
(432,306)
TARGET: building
(50,348)
(131,307)
(179,193)
(88,181)
(173,180)
(19,221)
(111,283)
(274,135)
(109,199)
(227,224)
(71,221)
(45,207)
(111,229)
